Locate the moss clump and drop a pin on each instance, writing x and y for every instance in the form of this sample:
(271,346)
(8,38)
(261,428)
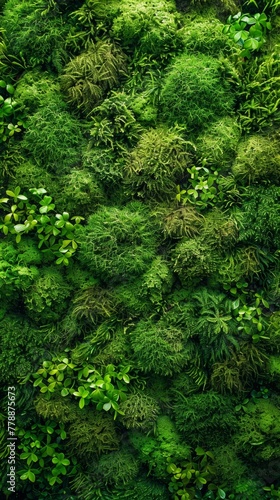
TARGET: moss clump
(157,163)
(54,138)
(206,418)
(150,26)
(140,411)
(45,300)
(117,467)
(193,260)
(118,242)
(217,145)
(88,77)
(154,451)
(204,35)
(193,93)
(258,160)
(35,88)
(159,348)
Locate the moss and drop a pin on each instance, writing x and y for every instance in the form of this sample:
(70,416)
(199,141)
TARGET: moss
(90,434)
(159,348)
(35,88)
(37,39)
(260,430)
(45,300)
(193,261)
(258,160)
(117,467)
(193,92)
(140,411)
(22,348)
(156,450)
(118,242)
(229,466)
(150,26)
(157,164)
(204,35)
(53,138)
(217,145)
(274,367)
(205,419)
(28,174)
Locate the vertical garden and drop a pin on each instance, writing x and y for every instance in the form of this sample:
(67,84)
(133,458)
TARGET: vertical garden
(140,244)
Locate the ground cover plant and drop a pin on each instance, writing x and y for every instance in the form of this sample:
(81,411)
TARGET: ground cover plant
(139,244)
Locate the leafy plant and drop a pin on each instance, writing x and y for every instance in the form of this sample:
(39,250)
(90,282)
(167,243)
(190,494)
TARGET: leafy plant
(39,446)
(55,232)
(8,112)
(63,376)
(193,475)
(248,31)
(203,189)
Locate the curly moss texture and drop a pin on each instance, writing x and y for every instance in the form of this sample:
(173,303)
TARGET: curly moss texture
(118,242)
(194,93)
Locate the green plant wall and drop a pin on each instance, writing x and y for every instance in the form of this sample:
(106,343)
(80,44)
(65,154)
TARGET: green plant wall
(139,244)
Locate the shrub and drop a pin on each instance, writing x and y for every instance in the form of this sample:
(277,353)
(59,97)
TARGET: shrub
(89,76)
(54,139)
(157,163)
(258,160)
(193,93)
(118,242)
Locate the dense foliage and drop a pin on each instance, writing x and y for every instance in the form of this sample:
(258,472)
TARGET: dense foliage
(139,244)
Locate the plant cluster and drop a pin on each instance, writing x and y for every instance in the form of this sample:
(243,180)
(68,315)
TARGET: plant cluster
(139,245)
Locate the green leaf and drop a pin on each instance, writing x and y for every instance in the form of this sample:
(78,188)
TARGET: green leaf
(19,228)
(199,451)
(31,476)
(10,89)
(221,493)
(81,403)
(37,381)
